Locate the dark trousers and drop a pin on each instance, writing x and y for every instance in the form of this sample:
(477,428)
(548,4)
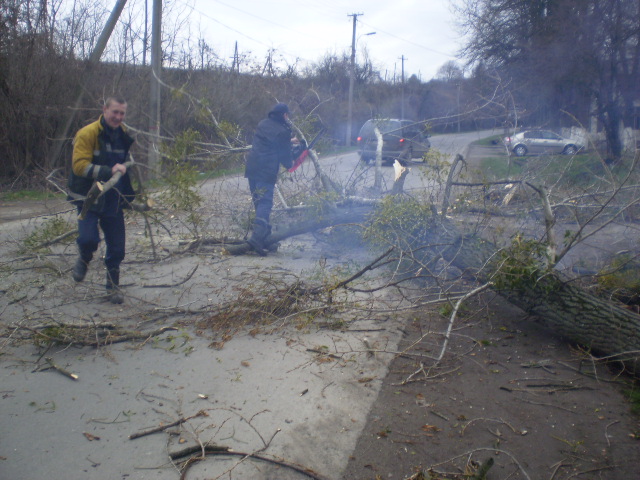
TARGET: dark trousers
(262,196)
(114,237)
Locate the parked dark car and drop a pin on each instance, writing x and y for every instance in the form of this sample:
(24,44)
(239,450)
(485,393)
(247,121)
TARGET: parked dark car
(538,141)
(401,139)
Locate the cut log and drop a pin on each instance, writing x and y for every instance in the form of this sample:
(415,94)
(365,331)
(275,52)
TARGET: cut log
(401,173)
(305,226)
(604,327)
(100,188)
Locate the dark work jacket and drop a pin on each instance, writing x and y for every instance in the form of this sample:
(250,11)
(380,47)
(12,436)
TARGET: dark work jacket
(271,148)
(104,147)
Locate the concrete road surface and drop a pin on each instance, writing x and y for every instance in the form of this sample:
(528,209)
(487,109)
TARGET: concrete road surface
(276,392)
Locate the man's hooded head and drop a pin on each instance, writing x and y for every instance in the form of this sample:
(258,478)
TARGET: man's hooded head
(278,111)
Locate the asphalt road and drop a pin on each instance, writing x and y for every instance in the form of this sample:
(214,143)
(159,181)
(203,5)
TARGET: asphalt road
(270,391)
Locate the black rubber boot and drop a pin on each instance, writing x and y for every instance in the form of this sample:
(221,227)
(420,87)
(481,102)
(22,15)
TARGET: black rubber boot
(259,233)
(272,247)
(79,270)
(113,287)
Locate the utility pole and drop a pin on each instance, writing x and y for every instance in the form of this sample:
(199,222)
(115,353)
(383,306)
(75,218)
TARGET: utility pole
(458,103)
(352,74)
(268,64)
(145,36)
(402,89)
(235,66)
(154,87)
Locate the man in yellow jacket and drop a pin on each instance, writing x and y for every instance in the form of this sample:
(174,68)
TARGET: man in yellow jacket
(100,150)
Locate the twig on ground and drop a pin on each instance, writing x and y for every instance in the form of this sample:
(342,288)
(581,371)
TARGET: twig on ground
(606,434)
(547,405)
(215,450)
(162,428)
(324,354)
(592,470)
(61,370)
(171,285)
(485,449)
(499,420)
(66,338)
(196,449)
(453,316)
(358,274)
(55,240)
(557,466)
(437,414)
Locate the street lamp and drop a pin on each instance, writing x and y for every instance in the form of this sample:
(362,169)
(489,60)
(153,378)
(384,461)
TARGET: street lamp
(352,74)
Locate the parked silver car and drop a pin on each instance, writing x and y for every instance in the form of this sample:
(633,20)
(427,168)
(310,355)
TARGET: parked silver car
(536,142)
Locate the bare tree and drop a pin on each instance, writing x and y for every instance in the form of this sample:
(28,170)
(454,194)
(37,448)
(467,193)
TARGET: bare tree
(566,53)
(450,71)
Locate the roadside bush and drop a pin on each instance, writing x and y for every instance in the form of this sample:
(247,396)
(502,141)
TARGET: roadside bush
(399,221)
(180,192)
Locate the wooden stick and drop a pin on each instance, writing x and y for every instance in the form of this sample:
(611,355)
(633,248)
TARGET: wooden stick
(100,188)
(64,372)
(162,428)
(219,450)
(171,285)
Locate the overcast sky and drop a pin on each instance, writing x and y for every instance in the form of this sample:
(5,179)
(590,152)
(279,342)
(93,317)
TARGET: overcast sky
(420,30)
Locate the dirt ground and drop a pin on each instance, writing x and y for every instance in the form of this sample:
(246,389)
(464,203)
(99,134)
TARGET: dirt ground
(507,391)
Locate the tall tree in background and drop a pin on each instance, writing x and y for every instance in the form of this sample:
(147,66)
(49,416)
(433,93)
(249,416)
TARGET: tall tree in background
(566,55)
(617,31)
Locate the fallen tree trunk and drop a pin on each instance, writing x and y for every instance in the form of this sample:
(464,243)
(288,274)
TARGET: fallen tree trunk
(604,327)
(305,226)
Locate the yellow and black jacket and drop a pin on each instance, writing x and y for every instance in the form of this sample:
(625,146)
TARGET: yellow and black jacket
(96,148)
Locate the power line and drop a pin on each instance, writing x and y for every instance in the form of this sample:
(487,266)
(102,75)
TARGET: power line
(377,29)
(242,34)
(259,17)
(226,26)
(275,23)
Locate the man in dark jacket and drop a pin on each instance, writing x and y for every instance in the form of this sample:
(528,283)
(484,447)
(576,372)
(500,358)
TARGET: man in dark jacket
(273,145)
(99,151)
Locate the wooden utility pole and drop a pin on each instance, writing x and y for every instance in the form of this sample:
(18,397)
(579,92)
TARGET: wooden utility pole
(154,86)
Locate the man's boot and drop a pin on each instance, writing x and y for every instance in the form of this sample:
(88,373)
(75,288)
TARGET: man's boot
(259,233)
(79,270)
(113,287)
(272,247)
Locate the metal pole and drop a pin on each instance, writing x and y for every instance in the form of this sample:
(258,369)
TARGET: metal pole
(402,89)
(458,106)
(154,87)
(352,74)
